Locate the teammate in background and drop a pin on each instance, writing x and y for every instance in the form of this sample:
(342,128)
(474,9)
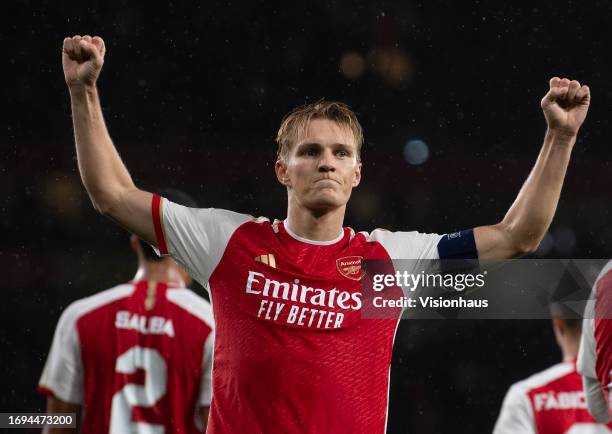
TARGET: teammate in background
(135,358)
(551,401)
(595,357)
(292,352)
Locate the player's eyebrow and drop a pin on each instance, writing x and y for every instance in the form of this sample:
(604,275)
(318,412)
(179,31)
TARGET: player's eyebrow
(343,146)
(315,143)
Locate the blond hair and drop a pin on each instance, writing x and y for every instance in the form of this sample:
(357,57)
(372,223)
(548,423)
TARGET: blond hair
(296,122)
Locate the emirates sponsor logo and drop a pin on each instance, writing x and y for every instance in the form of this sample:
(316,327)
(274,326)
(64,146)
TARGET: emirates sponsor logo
(350,267)
(257,283)
(284,302)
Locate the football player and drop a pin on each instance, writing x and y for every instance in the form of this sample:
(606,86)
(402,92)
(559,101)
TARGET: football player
(292,352)
(551,401)
(135,358)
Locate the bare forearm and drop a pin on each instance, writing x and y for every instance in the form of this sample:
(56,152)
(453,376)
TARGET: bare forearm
(532,212)
(104,175)
(102,171)
(565,106)
(55,405)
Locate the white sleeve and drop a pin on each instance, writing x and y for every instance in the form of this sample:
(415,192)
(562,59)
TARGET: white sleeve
(409,251)
(516,415)
(195,237)
(408,245)
(586,354)
(596,401)
(63,372)
(206,382)
(586,365)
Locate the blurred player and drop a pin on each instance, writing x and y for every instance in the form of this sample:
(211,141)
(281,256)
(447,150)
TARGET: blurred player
(551,401)
(595,357)
(292,353)
(135,358)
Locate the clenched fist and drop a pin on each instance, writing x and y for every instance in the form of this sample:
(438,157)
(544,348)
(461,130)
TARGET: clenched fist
(82,59)
(566,105)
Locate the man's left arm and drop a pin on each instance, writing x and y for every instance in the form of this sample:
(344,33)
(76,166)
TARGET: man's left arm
(55,405)
(565,107)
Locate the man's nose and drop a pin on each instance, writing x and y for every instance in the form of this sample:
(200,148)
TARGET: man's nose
(327,163)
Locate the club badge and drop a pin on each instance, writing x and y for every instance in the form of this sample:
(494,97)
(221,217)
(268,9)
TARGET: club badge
(350,267)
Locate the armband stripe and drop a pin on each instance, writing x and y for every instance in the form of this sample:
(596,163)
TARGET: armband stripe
(156,213)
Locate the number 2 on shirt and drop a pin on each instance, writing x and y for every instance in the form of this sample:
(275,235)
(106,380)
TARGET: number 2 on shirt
(135,395)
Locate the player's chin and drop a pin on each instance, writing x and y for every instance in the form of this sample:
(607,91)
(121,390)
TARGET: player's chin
(325,200)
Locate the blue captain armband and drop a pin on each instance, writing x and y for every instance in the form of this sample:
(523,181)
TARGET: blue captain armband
(458,245)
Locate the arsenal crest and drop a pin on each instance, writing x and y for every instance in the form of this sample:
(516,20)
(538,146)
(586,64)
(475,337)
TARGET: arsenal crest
(350,267)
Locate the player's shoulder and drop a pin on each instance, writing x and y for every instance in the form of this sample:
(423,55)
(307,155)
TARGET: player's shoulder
(545,377)
(220,215)
(607,269)
(192,303)
(600,306)
(378,233)
(381,234)
(235,217)
(403,244)
(83,306)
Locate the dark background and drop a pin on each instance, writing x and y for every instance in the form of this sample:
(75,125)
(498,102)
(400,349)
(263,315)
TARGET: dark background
(193,95)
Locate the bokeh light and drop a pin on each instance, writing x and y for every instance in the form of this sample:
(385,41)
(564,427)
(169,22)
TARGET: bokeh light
(416,152)
(352,65)
(391,63)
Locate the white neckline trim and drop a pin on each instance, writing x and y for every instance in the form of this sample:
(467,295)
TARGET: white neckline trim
(306,240)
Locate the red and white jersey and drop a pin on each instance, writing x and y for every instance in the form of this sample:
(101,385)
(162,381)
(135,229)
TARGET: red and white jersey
(292,353)
(549,402)
(137,357)
(595,355)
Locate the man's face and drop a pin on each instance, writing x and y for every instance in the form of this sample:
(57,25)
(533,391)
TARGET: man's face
(322,168)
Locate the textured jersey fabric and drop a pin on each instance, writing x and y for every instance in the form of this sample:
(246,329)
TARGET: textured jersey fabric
(595,356)
(292,353)
(137,357)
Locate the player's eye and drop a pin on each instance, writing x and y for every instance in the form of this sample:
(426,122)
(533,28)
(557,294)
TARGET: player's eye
(342,153)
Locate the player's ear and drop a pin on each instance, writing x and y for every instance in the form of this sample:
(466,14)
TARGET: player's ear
(281,172)
(357,178)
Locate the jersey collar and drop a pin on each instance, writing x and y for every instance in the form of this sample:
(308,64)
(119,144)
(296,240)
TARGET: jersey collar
(306,240)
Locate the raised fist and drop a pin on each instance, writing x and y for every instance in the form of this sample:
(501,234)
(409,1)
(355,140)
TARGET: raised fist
(82,59)
(566,105)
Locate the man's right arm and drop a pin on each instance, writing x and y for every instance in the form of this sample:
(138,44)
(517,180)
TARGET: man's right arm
(106,179)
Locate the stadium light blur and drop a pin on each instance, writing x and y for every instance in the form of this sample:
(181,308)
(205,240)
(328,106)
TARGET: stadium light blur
(392,64)
(352,65)
(416,152)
